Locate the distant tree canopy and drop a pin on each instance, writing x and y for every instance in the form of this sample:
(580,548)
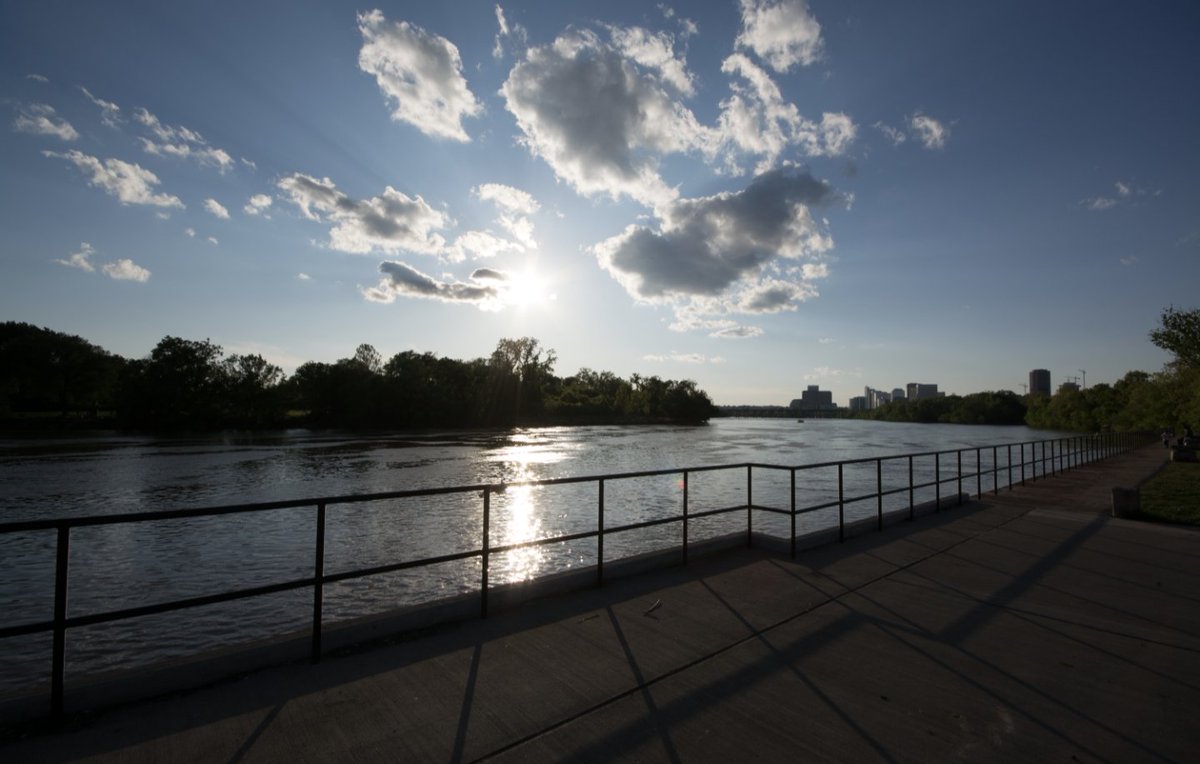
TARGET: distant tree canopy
(1002,407)
(193,384)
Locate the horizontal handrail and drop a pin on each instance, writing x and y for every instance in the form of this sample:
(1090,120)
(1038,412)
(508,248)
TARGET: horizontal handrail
(1064,453)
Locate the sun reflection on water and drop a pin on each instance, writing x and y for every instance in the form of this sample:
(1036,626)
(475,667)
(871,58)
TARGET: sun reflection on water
(520,510)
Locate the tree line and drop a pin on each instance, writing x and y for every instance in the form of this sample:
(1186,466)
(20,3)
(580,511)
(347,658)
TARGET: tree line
(1140,400)
(193,384)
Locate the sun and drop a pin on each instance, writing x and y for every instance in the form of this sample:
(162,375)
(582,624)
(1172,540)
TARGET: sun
(526,290)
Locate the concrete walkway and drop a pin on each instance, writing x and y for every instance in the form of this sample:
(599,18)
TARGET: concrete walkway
(1027,626)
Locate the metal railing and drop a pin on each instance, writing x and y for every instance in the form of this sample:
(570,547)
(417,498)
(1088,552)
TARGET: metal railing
(1063,454)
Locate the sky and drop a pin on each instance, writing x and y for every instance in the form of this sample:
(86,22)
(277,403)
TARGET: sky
(758,195)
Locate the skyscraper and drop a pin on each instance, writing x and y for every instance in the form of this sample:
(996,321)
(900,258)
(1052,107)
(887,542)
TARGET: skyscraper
(1039,382)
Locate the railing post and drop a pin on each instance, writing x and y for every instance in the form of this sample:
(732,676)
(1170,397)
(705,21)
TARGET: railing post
(749,504)
(685,516)
(59,656)
(958,500)
(937,482)
(912,500)
(1009,447)
(841,505)
(485,550)
(879,492)
(995,470)
(1022,464)
(978,475)
(793,545)
(318,583)
(600,536)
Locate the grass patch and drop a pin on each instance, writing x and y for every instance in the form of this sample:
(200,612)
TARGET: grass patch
(1173,495)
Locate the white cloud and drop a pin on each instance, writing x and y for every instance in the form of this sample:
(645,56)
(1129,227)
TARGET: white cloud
(1124,189)
(110,113)
(687,27)
(1130,260)
(507,198)
(191,232)
(125,270)
(213,241)
(40,119)
(507,32)
(1127,193)
(303,276)
(706,245)
(483,289)
(480,245)
(781,32)
(684,358)
(180,142)
(130,183)
(598,118)
(929,131)
(756,120)
(1097,203)
(656,52)
(893,134)
(420,72)
(826,341)
(216,208)
(258,205)
(727,253)
(37,78)
(80,259)
(390,222)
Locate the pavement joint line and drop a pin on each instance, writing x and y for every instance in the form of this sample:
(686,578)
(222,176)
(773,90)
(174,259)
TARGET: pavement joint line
(757,634)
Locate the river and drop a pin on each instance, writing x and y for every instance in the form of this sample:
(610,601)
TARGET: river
(129,565)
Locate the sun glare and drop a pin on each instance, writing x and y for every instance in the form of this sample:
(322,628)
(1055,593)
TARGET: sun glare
(526,289)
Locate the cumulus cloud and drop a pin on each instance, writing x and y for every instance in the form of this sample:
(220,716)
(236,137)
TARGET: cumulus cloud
(483,288)
(258,205)
(931,133)
(514,204)
(757,120)
(303,276)
(130,183)
(80,259)
(683,358)
(507,198)
(213,241)
(1097,203)
(110,113)
(705,245)
(656,52)
(41,119)
(598,118)
(390,222)
(420,72)
(125,270)
(783,33)
(734,252)
(179,142)
(507,33)
(480,245)
(190,232)
(216,208)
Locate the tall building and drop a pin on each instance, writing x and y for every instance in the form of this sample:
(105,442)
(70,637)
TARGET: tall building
(898,394)
(1039,382)
(814,399)
(876,398)
(919,390)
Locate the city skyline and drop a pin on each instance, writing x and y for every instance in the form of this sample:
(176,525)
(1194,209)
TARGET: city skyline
(759,196)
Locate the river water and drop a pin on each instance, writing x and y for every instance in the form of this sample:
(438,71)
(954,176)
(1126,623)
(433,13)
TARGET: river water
(129,565)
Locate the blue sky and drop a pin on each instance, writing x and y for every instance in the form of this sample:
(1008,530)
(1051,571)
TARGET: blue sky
(755,195)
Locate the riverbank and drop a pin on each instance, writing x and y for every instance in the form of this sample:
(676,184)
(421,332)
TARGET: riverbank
(1000,630)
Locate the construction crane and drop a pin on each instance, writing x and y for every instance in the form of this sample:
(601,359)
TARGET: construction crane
(1084,373)
(1024,388)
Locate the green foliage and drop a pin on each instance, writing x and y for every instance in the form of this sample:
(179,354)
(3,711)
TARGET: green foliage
(1179,334)
(45,371)
(1001,407)
(1173,495)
